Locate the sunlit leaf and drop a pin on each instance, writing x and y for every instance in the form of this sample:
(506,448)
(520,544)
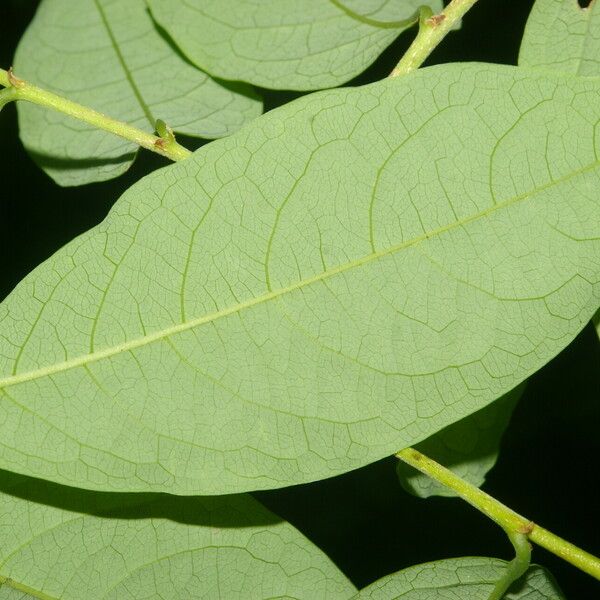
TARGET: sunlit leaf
(282,44)
(108,55)
(344,277)
(561,35)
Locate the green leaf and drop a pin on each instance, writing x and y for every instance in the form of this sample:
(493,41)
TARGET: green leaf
(58,542)
(562,36)
(468,447)
(469,578)
(342,278)
(384,13)
(108,54)
(281,44)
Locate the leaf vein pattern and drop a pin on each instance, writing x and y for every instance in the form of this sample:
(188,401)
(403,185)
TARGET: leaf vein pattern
(280,292)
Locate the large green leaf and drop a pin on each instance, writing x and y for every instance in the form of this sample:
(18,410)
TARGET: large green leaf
(469,578)
(340,279)
(468,447)
(108,54)
(282,44)
(383,12)
(563,36)
(58,542)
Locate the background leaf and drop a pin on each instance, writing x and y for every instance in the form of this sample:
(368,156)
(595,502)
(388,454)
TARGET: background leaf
(469,578)
(468,447)
(58,542)
(281,44)
(383,12)
(108,54)
(562,36)
(342,278)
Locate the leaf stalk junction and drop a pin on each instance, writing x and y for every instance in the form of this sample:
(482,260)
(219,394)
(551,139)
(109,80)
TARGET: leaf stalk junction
(519,529)
(17,89)
(432,30)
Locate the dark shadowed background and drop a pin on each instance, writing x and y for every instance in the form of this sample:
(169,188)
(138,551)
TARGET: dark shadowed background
(548,467)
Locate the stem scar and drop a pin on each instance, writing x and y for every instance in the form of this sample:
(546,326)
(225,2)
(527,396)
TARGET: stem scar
(14,80)
(435,20)
(526,528)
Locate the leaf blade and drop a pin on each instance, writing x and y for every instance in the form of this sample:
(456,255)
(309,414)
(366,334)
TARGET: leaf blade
(468,447)
(255,316)
(468,578)
(110,56)
(65,543)
(278,44)
(562,36)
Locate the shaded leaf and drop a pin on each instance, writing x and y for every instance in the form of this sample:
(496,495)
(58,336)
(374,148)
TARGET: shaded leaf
(468,447)
(469,578)
(281,44)
(108,54)
(342,278)
(58,542)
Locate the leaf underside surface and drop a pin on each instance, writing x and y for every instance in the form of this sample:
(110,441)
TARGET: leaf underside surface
(58,542)
(384,12)
(468,578)
(280,44)
(563,36)
(342,278)
(109,55)
(560,35)
(468,447)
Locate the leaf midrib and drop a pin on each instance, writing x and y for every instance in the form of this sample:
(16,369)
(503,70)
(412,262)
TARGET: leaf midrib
(275,294)
(21,587)
(128,75)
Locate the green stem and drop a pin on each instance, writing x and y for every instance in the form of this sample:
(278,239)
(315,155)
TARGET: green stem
(518,565)
(17,89)
(432,30)
(509,520)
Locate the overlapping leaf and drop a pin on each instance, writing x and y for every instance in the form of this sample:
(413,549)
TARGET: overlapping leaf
(383,12)
(468,447)
(282,44)
(109,55)
(469,578)
(561,35)
(343,278)
(64,543)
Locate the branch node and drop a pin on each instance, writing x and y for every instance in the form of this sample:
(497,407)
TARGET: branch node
(14,80)
(435,20)
(526,528)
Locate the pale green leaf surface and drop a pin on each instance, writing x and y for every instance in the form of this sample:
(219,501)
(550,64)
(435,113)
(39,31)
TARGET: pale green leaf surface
(468,447)
(561,35)
(385,12)
(281,44)
(468,578)
(76,545)
(342,278)
(108,55)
